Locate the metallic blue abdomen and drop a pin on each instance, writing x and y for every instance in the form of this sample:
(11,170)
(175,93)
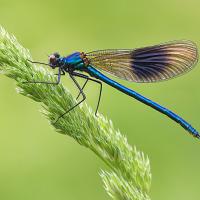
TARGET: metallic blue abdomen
(93,72)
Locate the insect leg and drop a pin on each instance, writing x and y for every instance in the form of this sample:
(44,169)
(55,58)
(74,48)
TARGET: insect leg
(82,93)
(91,79)
(60,73)
(35,62)
(82,87)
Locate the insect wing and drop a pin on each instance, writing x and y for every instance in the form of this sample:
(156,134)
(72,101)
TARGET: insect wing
(148,64)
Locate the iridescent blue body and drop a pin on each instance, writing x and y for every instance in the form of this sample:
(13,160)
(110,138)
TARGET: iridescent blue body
(93,72)
(148,64)
(73,61)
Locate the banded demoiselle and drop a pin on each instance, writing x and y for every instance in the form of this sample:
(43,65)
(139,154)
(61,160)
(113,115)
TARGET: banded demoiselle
(142,65)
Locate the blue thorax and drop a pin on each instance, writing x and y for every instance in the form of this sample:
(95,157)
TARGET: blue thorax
(74,60)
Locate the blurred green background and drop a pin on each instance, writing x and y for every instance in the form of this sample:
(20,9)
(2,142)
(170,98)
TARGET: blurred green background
(38,163)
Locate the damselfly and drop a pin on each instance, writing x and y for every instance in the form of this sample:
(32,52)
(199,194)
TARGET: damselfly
(143,65)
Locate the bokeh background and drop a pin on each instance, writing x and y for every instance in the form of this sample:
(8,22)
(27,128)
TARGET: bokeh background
(36,163)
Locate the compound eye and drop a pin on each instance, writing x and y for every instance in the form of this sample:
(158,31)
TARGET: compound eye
(57,55)
(52,59)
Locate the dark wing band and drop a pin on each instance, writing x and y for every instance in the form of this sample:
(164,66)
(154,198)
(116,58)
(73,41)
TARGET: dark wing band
(148,64)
